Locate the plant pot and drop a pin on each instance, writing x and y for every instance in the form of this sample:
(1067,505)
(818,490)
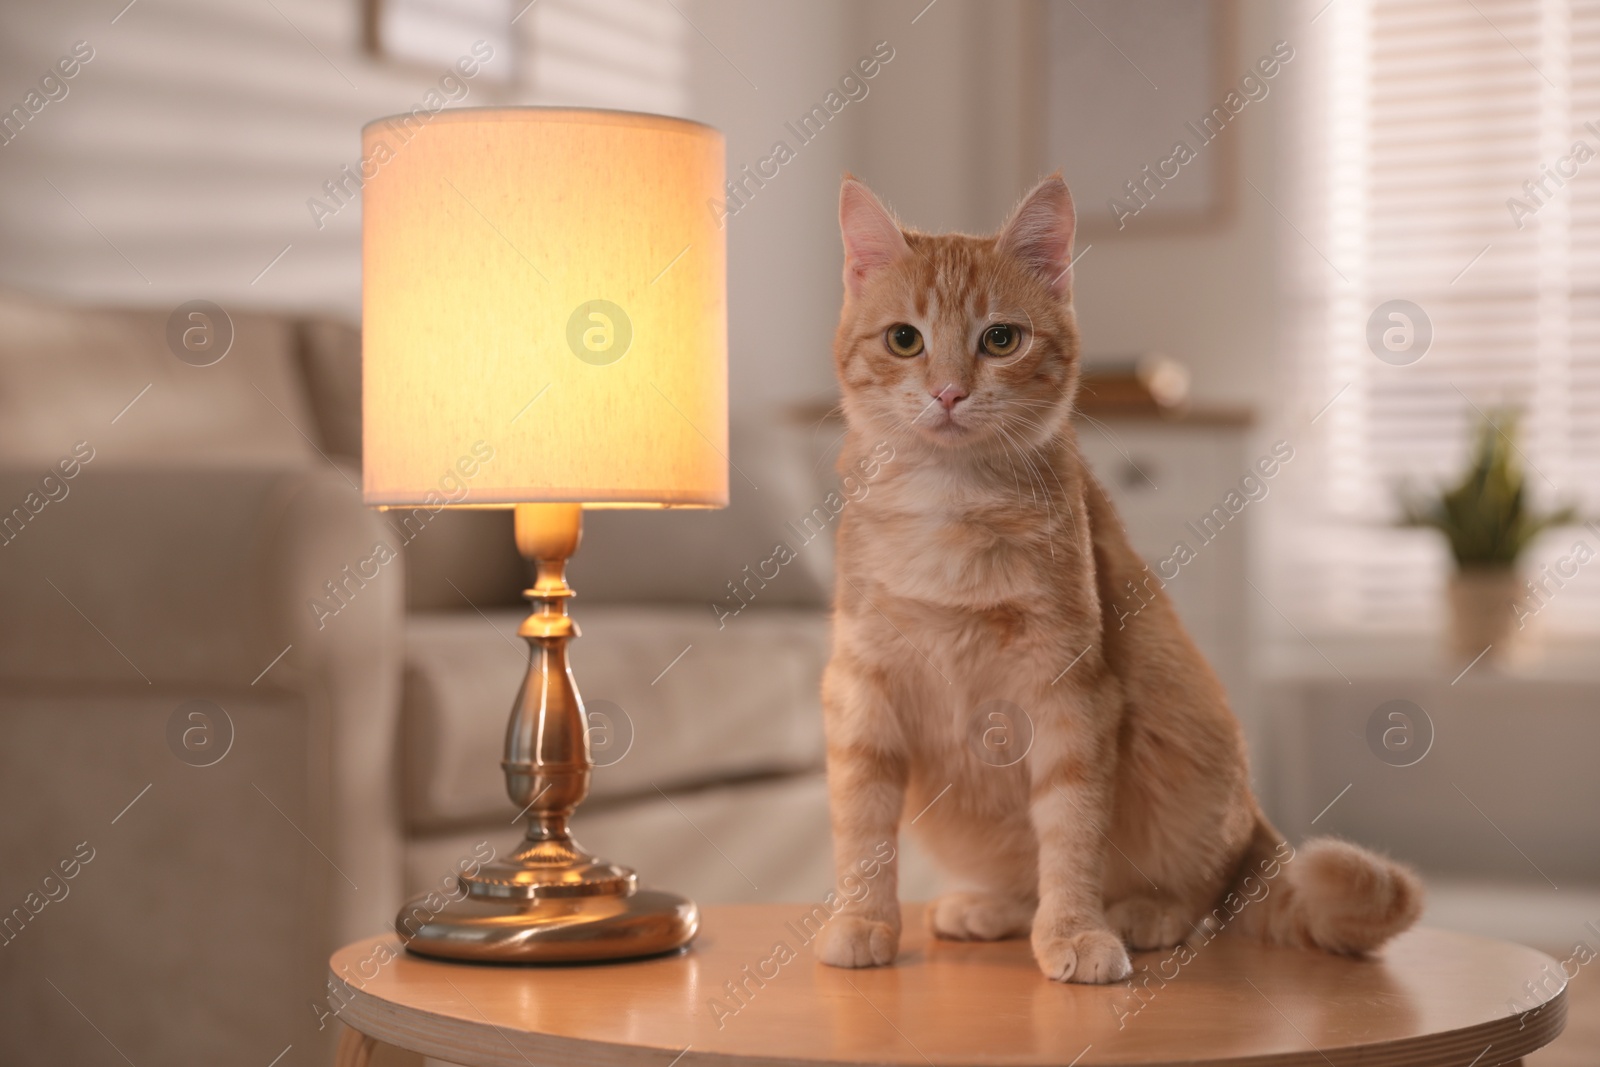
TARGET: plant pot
(1482,611)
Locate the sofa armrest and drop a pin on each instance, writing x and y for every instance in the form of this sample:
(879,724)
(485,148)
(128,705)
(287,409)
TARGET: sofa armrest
(198,582)
(152,575)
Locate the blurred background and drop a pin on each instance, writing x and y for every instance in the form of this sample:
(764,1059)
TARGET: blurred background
(1349,242)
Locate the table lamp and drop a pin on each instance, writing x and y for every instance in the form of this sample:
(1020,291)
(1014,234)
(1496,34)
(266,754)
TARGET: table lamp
(544,329)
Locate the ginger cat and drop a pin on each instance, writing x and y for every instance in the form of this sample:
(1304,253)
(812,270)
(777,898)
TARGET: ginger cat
(983,565)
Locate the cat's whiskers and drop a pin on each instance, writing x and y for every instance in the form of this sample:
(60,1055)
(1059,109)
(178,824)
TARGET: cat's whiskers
(1034,474)
(1017,485)
(924,410)
(837,409)
(907,424)
(1043,430)
(900,423)
(1032,413)
(1041,456)
(1010,445)
(1052,518)
(1007,407)
(1048,428)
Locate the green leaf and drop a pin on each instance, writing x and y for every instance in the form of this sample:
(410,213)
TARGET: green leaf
(1485,516)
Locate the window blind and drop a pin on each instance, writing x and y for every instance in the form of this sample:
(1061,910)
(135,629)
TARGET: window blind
(627,54)
(1458,169)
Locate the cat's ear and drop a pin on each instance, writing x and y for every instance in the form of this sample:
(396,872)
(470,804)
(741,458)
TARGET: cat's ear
(1039,233)
(871,237)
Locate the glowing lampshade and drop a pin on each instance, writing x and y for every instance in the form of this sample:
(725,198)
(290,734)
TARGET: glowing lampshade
(544,287)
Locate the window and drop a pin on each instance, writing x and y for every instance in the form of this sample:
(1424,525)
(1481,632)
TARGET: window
(1454,162)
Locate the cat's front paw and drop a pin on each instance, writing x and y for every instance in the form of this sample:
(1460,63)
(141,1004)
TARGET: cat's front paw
(1091,956)
(966,916)
(851,941)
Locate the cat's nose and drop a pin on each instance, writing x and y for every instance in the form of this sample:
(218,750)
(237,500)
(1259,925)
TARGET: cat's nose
(950,396)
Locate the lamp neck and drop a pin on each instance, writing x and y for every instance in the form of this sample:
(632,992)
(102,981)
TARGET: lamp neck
(547,535)
(547,759)
(549,531)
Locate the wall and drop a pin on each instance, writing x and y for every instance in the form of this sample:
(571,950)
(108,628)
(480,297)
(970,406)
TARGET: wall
(180,162)
(949,144)
(772,61)
(184,154)
(182,158)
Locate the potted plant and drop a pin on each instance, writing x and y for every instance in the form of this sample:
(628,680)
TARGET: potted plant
(1488,521)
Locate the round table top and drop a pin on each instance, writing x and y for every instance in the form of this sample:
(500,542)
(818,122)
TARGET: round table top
(749,991)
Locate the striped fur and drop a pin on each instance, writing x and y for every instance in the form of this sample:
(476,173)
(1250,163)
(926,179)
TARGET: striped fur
(981,567)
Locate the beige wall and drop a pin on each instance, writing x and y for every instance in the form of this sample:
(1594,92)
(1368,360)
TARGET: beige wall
(949,144)
(783,245)
(189,146)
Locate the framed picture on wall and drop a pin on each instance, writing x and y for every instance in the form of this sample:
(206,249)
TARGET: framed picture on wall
(1139,96)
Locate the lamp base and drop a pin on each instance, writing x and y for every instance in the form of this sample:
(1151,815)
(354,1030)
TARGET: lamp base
(549,901)
(644,922)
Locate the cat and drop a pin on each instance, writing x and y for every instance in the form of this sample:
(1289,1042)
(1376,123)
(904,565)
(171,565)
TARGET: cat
(984,566)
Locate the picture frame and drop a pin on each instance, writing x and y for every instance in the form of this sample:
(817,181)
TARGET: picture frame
(1119,84)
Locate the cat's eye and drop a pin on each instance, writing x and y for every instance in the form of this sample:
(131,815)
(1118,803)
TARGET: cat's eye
(904,340)
(1001,339)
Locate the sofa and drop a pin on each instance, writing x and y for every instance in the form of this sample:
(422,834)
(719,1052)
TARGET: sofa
(241,780)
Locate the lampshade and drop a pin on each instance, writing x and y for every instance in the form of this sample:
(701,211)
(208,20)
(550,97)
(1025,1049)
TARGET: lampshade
(544,309)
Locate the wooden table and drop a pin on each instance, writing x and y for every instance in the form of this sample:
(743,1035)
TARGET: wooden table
(1433,998)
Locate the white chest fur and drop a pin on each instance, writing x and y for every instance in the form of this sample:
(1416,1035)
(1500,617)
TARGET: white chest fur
(951,542)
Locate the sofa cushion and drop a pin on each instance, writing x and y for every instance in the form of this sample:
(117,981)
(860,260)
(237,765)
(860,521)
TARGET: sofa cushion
(458,560)
(692,555)
(674,698)
(70,374)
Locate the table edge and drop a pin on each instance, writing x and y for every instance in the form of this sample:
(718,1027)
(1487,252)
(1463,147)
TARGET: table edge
(484,1044)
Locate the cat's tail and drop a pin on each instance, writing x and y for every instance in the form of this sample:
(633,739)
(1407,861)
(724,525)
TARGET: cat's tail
(1327,894)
